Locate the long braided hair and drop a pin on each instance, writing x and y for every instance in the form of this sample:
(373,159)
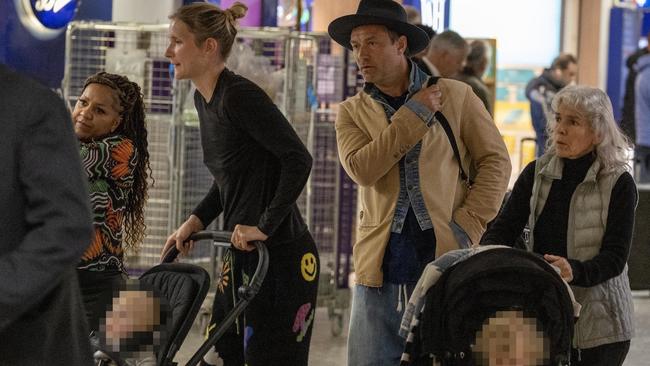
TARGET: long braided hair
(133,126)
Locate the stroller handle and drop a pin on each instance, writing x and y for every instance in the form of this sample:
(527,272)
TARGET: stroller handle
(219,238)
(222,239)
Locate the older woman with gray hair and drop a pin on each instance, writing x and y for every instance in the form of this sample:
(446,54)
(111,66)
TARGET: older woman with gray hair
(578,201)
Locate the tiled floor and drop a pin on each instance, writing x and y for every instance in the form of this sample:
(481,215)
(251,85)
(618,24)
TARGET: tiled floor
(327,350)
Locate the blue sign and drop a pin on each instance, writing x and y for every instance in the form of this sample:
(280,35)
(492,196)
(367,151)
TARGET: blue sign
(46,19)
(54,14)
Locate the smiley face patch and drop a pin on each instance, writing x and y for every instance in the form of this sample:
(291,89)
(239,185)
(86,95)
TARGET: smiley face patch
(308,267)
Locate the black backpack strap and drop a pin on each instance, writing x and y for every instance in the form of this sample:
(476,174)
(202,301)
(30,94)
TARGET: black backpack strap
(450,135)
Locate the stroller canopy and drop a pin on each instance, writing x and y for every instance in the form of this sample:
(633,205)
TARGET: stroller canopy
(494,280)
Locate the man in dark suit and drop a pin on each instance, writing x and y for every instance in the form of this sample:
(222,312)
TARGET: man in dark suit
(45,226)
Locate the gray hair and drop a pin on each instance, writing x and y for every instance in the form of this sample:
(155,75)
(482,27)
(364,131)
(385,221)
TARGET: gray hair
(594,105)
(449,40)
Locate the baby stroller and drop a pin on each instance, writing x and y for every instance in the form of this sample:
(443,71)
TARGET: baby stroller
(472,290)
(184,287)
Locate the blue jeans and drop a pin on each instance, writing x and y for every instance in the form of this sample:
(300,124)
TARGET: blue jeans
(373,339)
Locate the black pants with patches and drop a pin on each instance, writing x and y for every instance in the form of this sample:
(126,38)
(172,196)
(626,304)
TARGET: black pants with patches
(277,325)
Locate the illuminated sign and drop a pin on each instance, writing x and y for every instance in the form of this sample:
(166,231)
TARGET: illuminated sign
(46,19)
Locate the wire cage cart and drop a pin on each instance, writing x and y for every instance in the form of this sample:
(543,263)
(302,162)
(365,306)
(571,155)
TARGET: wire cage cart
(298,72)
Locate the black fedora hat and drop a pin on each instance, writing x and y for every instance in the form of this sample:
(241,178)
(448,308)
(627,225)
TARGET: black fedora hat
(380,12)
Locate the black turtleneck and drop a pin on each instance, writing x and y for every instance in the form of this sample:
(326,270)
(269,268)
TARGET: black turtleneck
(551,226)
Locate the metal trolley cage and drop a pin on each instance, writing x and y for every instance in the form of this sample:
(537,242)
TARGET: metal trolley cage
(181,179)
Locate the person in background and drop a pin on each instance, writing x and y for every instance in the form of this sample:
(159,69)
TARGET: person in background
(541,90)
(414,203)
(628,119)
(45,226)
(472,74)
(417,58)
(109,121)
(578,200)
(446,55)
(260,167)
(413,15)
(642,119)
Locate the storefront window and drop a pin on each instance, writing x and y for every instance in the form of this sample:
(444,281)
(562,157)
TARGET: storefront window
(527,34)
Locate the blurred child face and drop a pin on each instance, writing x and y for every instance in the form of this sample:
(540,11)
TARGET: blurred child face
(132,311)
(510,339)
(573,134)
(97,112)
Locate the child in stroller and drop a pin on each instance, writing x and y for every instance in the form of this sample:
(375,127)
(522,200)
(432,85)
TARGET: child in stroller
(134,327)
(470,303)
(151,317)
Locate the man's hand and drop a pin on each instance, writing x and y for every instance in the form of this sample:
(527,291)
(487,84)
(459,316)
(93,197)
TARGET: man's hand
(244,234)
(430,97)
(560,262)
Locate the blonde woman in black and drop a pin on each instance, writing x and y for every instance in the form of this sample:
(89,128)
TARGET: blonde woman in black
(260,167)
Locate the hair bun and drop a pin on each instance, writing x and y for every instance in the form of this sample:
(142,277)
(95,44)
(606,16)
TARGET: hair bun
(237,10)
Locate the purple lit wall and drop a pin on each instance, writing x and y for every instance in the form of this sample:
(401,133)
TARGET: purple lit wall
(253,17)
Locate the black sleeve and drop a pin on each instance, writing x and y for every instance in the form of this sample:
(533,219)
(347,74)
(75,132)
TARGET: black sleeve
(268,127)
(57,210)
(615,248)
(210,206)
(510,223)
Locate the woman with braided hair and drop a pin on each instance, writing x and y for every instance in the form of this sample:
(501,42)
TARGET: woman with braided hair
(260,167)
(109,121)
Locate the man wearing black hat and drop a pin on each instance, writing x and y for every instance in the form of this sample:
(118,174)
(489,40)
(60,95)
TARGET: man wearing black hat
(414,206)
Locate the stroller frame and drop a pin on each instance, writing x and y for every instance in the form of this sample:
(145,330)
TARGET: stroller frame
(246,293)
(452,303)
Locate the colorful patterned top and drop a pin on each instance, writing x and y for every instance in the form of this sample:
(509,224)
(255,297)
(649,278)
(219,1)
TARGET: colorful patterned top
(109,164)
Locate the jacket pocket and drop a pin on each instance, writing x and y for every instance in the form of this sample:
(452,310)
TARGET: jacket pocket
(596,321)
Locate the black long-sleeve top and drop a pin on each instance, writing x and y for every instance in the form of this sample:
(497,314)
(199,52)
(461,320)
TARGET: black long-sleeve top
(259,164)
(551,227)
